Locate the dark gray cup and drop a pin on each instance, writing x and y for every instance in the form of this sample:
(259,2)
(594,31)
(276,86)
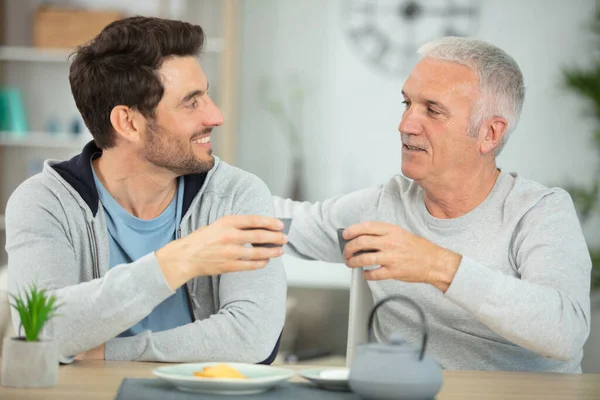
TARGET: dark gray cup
(287,224)
(342,242)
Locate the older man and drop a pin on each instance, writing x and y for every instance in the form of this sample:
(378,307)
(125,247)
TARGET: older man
(498,262)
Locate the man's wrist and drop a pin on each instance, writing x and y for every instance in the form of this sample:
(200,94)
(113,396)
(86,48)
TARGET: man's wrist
(172,268)
(443,270)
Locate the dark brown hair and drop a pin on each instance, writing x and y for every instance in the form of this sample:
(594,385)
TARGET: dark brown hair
(118,67)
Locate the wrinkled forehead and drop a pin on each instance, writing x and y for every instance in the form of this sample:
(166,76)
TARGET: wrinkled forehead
(443,81)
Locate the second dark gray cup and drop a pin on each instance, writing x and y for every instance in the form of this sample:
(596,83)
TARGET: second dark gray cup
(287,224)
(342,243)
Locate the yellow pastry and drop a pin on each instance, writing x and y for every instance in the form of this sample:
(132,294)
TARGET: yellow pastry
(220,371)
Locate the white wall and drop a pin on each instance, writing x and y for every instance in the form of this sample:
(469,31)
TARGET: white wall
(352,111)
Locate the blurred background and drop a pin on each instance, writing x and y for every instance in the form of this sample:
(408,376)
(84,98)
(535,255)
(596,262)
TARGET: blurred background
(310,91)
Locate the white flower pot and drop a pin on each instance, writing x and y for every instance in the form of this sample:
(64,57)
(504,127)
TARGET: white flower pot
(29,364)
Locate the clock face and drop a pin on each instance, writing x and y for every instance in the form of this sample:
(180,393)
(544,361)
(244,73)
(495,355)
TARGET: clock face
(387,33)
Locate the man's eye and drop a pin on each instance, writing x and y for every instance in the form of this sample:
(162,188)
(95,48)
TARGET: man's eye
(433,112)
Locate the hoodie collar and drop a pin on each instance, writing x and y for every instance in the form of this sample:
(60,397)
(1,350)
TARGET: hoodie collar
(77,172)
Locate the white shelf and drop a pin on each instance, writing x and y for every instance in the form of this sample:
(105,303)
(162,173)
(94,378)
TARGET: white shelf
(67,141)
(33,54)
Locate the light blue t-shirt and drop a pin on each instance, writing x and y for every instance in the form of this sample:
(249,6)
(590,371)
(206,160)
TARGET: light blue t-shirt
(131,238)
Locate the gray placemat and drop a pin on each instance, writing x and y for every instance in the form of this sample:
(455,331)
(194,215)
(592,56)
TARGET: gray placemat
(156,389)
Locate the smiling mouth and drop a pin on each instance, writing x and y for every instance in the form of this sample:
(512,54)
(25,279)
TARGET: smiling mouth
(202,140)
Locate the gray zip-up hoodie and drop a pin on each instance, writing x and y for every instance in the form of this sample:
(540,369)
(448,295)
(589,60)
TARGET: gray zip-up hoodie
(56,236)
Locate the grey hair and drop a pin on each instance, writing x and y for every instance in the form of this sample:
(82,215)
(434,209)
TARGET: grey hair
(500,79)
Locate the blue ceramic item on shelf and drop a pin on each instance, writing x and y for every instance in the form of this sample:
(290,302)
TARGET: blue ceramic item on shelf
(12,112)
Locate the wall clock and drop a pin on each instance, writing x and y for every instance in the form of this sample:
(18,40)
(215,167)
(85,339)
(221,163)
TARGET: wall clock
(387,33)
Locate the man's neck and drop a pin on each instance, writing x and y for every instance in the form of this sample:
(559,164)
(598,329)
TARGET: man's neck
(457,197)
(143,190)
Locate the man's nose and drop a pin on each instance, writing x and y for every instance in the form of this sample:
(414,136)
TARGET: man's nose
(213,116)
(410,123)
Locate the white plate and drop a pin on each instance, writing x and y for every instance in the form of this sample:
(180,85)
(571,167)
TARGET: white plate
(260,378)
(327,378)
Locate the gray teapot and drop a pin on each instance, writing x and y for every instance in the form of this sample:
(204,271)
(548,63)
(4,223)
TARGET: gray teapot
(395,370)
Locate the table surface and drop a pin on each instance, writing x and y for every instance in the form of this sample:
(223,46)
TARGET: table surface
(101,379)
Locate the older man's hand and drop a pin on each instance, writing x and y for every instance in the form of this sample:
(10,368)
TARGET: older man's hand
(401,254)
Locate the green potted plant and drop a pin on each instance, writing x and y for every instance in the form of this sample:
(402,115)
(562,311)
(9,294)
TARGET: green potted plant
(31,361)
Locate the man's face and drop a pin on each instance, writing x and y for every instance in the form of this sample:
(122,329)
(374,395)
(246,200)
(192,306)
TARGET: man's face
(439,97)
(179,137)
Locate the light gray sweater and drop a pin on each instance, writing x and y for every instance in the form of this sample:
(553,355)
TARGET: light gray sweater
(520,299)
(56,239)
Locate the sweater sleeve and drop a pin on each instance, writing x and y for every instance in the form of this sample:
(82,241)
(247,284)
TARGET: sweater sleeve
(313,234)
(40,251)
(546,309)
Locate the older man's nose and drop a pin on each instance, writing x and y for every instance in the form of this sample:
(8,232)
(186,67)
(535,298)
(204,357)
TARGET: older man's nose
(409,124)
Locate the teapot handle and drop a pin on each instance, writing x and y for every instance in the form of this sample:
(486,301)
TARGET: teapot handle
(424,326)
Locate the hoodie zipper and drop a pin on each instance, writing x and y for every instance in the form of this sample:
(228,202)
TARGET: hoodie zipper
(95,266)
(187,289)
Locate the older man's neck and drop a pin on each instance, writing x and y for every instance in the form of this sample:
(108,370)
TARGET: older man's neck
(456,197)
(143,190)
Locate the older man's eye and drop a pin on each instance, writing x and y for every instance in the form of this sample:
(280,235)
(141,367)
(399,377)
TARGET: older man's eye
(433,112)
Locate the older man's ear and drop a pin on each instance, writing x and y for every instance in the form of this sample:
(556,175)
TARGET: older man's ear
(494,130)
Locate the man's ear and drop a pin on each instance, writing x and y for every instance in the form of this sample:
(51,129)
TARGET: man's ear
(494,130)
(127,123)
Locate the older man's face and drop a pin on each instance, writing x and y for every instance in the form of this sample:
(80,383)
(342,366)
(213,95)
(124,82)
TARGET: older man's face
(438,97)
